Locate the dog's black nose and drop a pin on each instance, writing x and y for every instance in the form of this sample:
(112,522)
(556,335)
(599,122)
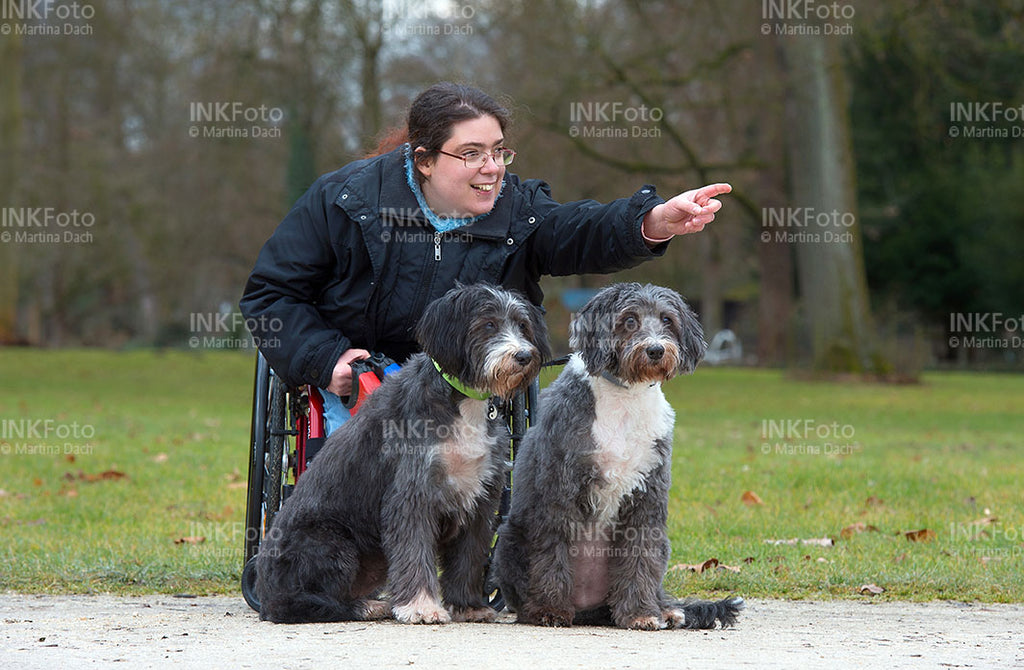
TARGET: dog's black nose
(655,352)
(524,357)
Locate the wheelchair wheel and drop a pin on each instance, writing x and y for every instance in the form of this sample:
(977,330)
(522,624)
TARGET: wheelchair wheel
(249,584)
(257,454)
(267,467)
(274,465)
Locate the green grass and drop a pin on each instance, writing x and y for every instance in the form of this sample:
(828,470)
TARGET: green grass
(176,424)
(932,456)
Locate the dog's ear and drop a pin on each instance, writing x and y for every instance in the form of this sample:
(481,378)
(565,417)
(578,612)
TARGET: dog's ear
(691,334)
(441,331)
(591,330)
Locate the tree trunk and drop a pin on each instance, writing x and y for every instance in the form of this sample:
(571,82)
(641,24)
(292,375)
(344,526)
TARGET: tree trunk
(775,304)
(367,24)
(825,231)
(10,146)
(711,300)
(372,115)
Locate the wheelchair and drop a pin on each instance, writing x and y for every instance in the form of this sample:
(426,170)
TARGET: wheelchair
(287,431)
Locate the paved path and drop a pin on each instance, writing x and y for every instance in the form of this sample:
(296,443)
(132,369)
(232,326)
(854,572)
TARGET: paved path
(52,632)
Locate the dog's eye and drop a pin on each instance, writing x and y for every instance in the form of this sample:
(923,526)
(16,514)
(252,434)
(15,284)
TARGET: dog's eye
(524,329)
(630,323)
(667,320)
(489,326)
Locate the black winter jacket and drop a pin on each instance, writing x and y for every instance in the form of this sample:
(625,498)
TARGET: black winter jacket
(355,261)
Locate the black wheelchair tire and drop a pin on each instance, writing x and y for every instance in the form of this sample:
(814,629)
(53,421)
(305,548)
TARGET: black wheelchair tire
(277,426)
(249,584)
(257,458)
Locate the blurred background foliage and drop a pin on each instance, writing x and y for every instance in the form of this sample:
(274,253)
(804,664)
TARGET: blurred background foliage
(99,123)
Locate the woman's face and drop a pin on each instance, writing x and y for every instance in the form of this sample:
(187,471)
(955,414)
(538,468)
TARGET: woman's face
(451,189)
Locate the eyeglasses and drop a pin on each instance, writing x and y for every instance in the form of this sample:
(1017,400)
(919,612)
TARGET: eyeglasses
(475,160)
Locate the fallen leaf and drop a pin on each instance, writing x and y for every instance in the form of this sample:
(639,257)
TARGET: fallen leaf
(160,458)
(697,567)
(874,501)
(871,590)
(70,458)
(710,564)
(106,475)
(923,535)
(985,521)
(817,542)
(856,529)
(751,498)
(190,540)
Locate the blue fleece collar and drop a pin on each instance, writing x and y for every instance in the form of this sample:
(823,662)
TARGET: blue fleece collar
(441,224)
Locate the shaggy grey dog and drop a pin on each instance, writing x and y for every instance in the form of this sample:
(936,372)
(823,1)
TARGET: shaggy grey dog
(585,539)
(412,482)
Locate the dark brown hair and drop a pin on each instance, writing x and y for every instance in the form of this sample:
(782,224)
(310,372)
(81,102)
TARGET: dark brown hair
(434,112)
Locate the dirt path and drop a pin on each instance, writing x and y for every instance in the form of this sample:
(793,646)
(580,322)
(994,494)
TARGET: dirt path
(53,632)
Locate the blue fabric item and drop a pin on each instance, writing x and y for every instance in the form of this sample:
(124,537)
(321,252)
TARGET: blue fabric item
(441,224)
(335,412)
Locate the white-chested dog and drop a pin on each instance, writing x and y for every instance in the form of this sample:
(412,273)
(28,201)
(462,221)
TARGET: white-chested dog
(411,483)
(585,541)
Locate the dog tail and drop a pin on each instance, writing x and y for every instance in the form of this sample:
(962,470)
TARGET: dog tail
(312,608)
(702,614)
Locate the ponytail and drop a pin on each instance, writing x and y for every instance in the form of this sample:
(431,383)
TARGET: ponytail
(389,141)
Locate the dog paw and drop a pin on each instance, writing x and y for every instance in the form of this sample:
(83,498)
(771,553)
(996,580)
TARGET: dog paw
(376,610)
(421,610)
(474,614)
(555,620)
(547,617)
(645,623)
(674,617)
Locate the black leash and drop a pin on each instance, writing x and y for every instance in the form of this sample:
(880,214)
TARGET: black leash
(561,360)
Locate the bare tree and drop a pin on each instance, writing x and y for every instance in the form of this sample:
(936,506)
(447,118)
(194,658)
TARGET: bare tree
(10,169)
(830,259)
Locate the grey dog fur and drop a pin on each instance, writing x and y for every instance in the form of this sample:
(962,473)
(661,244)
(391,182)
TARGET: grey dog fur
(540,560)
(381,507)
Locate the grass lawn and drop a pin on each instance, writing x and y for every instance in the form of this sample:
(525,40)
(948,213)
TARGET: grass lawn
(114,465)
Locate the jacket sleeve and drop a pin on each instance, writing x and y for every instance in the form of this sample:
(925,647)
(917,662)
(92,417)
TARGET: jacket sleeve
(589,237)
(278,303)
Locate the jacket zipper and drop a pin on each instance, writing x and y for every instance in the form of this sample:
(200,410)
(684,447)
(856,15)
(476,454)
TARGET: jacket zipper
(426,283)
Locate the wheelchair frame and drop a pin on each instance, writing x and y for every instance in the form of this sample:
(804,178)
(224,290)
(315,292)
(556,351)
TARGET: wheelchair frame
(286,432)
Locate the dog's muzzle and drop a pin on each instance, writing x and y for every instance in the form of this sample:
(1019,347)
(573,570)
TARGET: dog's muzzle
(649,360)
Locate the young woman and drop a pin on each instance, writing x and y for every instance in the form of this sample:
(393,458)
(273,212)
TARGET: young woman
(351,267)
